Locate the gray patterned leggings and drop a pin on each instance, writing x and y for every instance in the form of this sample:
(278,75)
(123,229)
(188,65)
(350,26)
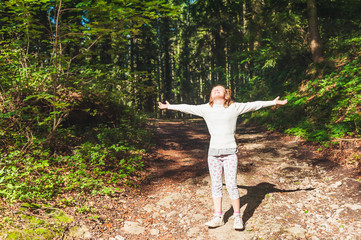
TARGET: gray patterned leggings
(229,163)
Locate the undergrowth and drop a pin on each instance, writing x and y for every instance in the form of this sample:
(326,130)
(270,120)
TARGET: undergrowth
(327,104)
(96,156)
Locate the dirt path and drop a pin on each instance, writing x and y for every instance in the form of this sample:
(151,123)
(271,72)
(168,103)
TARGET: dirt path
(287,192)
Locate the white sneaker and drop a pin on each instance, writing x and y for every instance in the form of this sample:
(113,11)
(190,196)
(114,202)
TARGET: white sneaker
(237,222)
(216,221)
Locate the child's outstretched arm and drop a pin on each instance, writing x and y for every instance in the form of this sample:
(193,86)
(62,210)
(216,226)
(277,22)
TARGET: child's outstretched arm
(254,106)
(186,108)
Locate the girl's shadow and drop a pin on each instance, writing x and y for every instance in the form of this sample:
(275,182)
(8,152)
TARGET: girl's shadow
(255,196)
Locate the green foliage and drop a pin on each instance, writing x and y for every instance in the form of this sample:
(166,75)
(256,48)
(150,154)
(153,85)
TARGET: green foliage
(84,209)
(75,78)
(48,225)
(327,106)
(112,155)
(69,120)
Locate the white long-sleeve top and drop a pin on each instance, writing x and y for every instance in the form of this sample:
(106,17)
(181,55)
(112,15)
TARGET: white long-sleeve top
(221,121)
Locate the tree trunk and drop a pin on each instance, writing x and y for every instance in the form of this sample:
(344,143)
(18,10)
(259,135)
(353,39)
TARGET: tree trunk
(255,28)
(167,67)
(234,70)
(131,54)
(185,84)
(213,76)
(105,56)
(220,56)
(315,39)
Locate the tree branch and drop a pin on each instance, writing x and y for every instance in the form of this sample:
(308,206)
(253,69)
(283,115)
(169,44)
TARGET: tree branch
(86,50)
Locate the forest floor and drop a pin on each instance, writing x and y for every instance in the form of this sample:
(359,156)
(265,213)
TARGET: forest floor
(289,189)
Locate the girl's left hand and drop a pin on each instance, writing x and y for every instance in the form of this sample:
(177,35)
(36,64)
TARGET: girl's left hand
(280,102)
(163,106)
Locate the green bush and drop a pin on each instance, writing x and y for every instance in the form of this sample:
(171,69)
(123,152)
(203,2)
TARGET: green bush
(92,157)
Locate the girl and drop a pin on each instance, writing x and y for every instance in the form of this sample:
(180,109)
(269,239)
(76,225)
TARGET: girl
(221,115)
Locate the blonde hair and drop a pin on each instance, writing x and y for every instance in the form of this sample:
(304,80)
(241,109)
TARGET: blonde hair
(227,97)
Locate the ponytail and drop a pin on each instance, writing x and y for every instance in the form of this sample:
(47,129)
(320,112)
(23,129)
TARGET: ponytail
(228,97)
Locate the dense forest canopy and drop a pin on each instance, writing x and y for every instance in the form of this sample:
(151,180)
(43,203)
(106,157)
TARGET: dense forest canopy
(78,76)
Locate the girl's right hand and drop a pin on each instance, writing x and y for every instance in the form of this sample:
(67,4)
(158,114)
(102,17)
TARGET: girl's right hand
(280,102)
(163,106)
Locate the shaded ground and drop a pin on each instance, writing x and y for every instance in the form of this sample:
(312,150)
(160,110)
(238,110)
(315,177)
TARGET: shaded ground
(288,191)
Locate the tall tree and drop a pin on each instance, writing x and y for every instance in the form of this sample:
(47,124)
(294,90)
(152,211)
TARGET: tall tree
(166,47)
(315,39)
